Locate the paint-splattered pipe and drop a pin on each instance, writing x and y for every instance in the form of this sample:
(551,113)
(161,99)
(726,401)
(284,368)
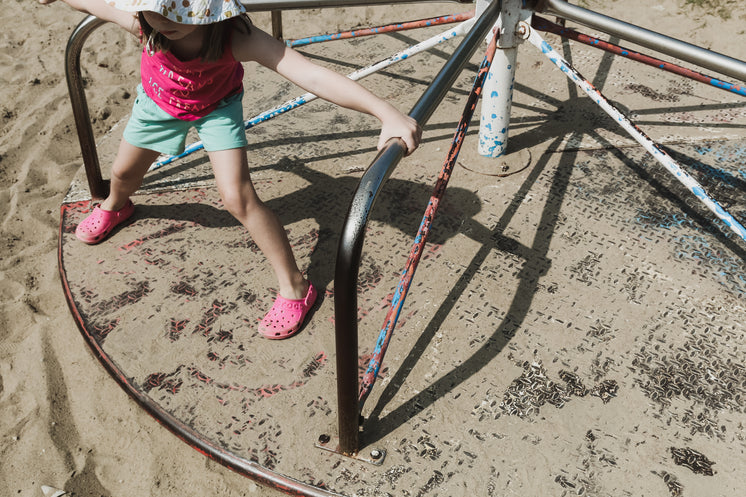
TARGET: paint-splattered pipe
(389,28)
(459,30)
(402,288)
(545,25)
(664,158)
(681,50)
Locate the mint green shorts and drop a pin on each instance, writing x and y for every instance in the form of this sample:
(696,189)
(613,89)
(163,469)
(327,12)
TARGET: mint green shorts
(152,128)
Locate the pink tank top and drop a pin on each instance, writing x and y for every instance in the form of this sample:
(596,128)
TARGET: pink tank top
(189,90)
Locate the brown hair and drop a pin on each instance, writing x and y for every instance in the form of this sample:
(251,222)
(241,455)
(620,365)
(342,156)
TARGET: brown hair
(216,36)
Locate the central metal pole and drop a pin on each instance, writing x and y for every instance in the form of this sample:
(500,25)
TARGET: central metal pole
(497,97)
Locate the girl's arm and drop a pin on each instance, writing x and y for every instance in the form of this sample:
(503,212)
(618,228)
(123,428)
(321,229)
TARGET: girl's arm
(260,47)
(104,11)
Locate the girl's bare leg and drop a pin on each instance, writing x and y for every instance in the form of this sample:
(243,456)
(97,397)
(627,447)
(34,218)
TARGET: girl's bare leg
(240,199)
(127,172)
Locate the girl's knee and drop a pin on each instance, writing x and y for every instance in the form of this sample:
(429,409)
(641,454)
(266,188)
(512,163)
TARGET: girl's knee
(239,204)
(126,173)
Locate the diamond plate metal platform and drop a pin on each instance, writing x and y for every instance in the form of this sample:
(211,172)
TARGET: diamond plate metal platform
(574,328)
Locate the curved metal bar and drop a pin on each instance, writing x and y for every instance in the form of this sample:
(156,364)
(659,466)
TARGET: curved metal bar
(353,233)
(650,39)
(98,187)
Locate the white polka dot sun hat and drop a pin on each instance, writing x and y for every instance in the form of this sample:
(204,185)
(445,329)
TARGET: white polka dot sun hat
(185,11)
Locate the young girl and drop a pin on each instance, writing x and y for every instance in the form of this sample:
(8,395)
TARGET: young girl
(191,75)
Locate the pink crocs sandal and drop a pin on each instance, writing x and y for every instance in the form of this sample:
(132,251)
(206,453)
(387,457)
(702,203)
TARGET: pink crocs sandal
(286,316)
(100,222)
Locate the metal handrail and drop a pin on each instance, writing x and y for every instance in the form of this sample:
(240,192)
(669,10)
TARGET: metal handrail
(353,233)
(650,39)
(96,184)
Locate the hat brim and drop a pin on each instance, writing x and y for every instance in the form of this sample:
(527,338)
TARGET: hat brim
(185,11)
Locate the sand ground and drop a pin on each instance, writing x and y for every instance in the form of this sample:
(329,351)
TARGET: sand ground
(57,403)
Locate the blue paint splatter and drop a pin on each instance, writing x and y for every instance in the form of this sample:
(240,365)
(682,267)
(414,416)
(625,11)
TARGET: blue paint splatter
(728,86)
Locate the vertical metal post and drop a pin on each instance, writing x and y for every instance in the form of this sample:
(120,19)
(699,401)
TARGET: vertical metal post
(98,187)
(497,96)
(345,293)
(277,24)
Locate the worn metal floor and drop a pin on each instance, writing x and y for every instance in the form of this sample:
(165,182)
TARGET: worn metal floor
(574,328)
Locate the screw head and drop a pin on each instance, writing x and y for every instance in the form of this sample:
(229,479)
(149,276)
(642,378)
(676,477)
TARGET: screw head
(376,454)
(324,439)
